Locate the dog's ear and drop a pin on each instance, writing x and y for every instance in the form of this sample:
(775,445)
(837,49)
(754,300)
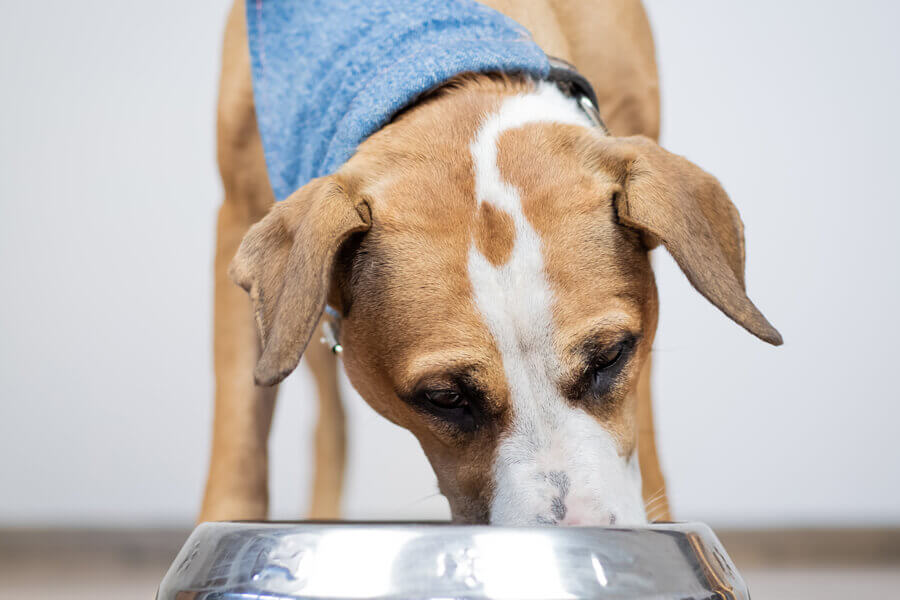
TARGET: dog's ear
(672,201)
(286,263)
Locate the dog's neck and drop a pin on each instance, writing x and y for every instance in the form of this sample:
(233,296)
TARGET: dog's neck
(563,74)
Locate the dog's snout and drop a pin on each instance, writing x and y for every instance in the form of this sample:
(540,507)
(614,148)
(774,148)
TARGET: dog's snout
(599,522)
(581,514)
(570,509)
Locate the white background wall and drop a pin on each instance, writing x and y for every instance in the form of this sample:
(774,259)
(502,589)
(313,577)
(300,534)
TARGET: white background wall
(108,192)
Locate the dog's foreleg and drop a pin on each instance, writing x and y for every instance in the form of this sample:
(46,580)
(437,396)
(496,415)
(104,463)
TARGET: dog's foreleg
(331,437)
(237,486)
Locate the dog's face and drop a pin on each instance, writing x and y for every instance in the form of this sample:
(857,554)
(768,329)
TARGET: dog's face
(488,251)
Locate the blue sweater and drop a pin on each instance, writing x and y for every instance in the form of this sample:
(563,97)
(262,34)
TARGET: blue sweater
(329,73)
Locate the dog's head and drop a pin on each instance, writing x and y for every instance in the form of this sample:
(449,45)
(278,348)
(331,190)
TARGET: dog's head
(488,253)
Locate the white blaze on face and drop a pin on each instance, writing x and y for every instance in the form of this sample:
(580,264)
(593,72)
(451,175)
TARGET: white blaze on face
(556,464)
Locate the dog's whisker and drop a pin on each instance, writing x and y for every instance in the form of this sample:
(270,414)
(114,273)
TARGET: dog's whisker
(424,498)
(652,503)
(656,505)
(658,510)
(660,507)
(658,492)
(655,514)
(655,498)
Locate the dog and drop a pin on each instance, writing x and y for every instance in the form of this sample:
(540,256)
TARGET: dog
(486,252)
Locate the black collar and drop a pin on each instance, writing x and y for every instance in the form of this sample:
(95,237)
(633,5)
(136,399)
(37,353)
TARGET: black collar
(574,84)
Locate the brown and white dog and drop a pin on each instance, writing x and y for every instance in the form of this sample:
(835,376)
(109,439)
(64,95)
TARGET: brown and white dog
(488,253)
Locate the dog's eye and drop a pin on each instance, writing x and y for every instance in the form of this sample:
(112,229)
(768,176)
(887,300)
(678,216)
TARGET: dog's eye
(454,403)
(602,371)
(609,357)
(452,406)
(445,398)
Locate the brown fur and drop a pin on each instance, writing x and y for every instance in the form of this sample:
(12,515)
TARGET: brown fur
(386,240)
(494,234)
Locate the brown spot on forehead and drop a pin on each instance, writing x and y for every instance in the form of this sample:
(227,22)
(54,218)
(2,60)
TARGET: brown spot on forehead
(494,233)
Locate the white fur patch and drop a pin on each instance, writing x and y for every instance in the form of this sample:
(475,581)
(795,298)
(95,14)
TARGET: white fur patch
(556,464)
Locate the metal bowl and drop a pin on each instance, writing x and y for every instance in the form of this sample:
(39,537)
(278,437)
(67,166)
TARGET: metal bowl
(414,561)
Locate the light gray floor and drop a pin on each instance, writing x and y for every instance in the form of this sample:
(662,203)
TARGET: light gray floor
(80,580)
(823,583)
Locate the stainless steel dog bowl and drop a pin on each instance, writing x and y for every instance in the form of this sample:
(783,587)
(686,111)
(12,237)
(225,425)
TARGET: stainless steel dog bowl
(276,561)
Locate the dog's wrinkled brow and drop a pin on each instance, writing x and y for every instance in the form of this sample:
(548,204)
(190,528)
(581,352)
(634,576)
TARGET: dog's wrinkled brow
(598,342)
(599,333)
(433,370)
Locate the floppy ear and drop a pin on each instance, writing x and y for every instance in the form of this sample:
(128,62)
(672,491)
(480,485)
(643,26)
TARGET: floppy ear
(286,263)
(674,202)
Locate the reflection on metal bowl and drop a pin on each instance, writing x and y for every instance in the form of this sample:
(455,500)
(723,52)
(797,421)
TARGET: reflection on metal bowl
(416,561)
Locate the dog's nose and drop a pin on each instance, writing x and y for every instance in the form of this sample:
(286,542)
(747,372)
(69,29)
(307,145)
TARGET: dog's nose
(572,521)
